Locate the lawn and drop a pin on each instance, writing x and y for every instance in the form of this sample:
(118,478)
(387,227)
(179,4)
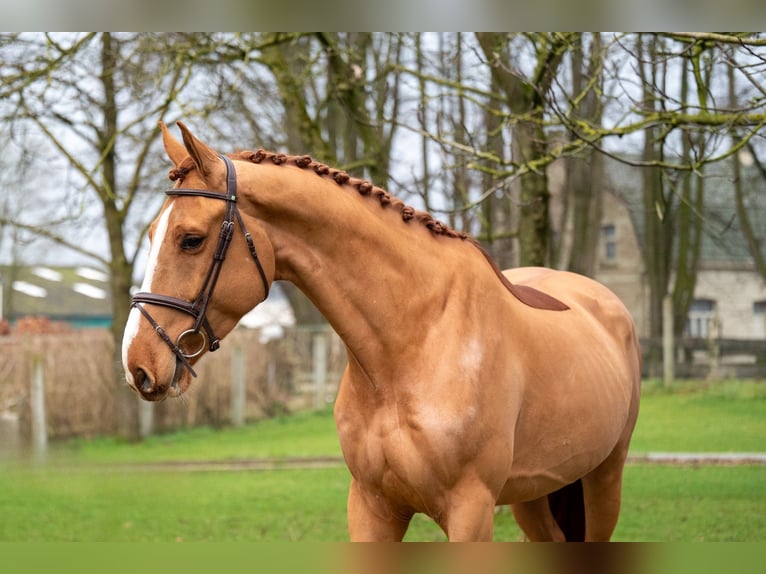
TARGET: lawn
(702,417)
(309,433)
(661,503)
(91,490)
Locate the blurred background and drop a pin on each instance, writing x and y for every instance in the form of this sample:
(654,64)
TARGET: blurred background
(636,159)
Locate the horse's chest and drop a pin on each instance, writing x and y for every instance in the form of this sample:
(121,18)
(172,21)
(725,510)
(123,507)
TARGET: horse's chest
(408,456)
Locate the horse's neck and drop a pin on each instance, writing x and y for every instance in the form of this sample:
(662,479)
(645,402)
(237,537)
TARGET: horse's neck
(373,276)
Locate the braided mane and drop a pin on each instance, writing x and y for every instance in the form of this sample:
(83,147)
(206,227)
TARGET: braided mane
(525,294)
(362,186)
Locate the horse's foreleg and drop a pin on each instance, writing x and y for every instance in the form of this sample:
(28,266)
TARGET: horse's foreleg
(372,520)
(471,516)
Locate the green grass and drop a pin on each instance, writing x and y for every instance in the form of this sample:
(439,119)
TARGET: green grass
(660,504)
(687,417)
(309,433)
(168,506)
(701,417)
(87,490)
(693,504)
(669,504)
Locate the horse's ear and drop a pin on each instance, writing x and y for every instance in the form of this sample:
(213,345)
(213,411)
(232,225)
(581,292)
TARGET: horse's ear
(204,157)
(174,148)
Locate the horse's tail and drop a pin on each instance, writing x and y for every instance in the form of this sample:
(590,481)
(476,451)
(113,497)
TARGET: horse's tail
(568,508)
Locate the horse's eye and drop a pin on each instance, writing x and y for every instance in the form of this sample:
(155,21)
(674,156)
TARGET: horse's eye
(191,242)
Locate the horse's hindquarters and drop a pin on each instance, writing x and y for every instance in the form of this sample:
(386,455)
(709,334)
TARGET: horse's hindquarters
(580,374)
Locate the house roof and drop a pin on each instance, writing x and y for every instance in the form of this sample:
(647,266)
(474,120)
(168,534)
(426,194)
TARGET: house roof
(81,295)
(62,293)
(723,240)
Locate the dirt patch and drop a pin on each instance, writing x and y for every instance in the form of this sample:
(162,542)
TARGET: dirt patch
(700,458)
(309,462)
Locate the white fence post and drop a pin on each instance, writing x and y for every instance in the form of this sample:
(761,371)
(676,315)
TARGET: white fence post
(668,346)
(271,371)
(238,388)
(319,351)
(37,406)
(145,418)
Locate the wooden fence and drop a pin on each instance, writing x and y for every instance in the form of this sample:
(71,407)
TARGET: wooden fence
(711,358)
(61,385)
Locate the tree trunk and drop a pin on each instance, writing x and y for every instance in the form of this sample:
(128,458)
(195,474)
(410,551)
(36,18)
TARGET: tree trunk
(346,75)
(525,100)
(657,247)
(585,172)
(461,179)
(497,228)
(755,244)
(126,402)
(302,131)
(534,216)
(658,217)
(349,122)
(304,310)
(585,190)
(689,226)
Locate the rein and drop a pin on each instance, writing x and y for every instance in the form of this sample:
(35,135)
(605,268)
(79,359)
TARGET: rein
(192,342)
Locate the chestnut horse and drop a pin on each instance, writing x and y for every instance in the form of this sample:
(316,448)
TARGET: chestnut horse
(466,388)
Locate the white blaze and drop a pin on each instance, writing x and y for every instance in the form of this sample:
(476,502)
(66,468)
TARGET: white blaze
(131,328)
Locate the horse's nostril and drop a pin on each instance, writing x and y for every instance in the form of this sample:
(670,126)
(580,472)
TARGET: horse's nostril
(143,382)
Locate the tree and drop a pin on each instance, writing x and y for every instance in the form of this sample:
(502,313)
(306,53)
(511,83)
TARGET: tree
(529,101)
(756,243)
(94,101)
(691,195)
(525,97)
(584,169)
(339,92)
(489,114)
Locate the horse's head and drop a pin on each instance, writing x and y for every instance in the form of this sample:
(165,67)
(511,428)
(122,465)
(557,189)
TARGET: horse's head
(208,265)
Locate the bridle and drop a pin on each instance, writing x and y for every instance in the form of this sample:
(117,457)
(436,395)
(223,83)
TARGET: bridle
(192,342)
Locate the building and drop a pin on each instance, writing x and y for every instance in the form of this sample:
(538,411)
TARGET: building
(730,295)
(79,296)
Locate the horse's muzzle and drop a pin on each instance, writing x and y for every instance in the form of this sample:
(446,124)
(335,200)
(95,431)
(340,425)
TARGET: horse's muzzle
(149,389)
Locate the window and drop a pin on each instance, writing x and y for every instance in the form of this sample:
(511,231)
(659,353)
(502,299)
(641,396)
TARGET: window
(609,236)
(701,316)
(759,320)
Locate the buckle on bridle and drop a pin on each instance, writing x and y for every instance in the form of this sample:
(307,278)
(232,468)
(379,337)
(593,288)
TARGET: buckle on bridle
(195,346)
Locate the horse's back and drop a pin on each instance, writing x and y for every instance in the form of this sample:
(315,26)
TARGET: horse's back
(597,321)
(585,296)
(563,284)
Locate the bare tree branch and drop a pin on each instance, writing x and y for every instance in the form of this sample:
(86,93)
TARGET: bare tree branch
(45,232)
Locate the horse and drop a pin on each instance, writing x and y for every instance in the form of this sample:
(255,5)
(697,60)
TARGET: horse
(465,388)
